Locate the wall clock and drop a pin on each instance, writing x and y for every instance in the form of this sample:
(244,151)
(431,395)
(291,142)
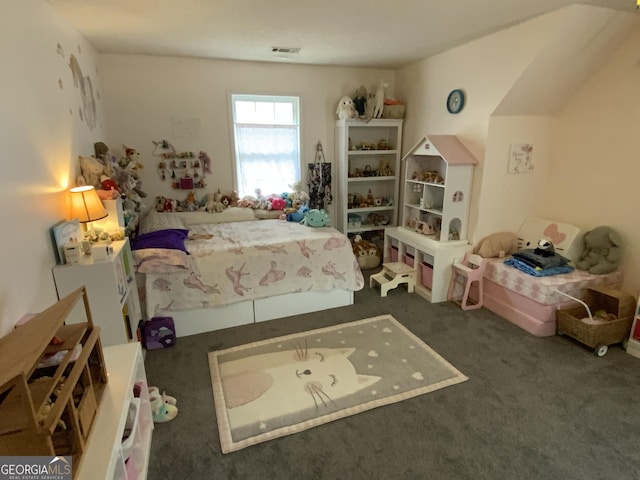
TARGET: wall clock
(455,101)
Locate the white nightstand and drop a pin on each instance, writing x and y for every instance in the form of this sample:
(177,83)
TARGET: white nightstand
(111,290)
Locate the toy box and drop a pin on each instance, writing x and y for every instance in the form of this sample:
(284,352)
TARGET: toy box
(159,332)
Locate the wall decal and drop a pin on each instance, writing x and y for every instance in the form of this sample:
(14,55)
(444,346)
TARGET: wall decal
(88,109)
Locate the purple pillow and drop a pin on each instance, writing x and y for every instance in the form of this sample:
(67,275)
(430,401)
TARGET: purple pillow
(171,238)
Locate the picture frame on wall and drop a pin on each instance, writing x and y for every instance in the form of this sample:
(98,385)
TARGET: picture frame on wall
(63,232)
(520,158)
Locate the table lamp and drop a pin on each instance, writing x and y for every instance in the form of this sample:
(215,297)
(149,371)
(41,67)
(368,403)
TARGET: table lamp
(87,207)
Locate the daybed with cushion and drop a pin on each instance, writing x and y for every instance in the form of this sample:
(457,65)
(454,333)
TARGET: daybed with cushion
(529,301)
(216,270)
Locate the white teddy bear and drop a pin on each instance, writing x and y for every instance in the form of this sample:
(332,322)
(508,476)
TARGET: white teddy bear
(346,109)
(91,170)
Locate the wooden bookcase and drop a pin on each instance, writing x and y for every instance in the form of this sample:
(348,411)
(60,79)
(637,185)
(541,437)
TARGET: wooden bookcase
(50,410)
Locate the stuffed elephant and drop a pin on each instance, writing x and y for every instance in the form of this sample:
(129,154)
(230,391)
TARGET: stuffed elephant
(602,251)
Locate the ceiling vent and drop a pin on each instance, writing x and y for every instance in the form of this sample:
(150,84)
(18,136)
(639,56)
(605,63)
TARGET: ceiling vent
(285,50)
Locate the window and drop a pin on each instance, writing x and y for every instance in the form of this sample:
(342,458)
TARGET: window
(267,143)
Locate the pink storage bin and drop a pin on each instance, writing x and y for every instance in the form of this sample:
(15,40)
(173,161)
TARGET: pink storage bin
(394,253)
(408,259)
(636,331)
(427,275)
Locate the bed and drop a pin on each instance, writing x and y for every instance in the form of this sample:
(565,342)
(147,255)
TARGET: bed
(528,301)
(239,269)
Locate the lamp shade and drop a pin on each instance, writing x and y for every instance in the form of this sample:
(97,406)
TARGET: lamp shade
(86,205)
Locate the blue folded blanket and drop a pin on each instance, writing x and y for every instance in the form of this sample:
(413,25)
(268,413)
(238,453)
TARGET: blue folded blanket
(537,271)
(538,259)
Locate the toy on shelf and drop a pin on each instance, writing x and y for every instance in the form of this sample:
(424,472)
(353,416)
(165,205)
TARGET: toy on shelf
(185,170)
(379,98)
(346,109)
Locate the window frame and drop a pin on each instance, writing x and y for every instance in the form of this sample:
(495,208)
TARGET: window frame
(232,97)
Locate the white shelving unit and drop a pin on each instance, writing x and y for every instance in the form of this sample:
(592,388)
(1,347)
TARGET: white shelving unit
(438,174)
(368,167)
(111,289)
(633,345)
(104,457)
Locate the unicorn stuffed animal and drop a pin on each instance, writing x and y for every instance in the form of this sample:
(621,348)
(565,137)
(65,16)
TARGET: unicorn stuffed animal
(379,107)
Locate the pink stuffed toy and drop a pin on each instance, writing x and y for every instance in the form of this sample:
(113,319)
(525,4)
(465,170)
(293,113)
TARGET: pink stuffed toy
(278,203)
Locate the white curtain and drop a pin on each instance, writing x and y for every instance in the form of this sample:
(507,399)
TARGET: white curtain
(267,158)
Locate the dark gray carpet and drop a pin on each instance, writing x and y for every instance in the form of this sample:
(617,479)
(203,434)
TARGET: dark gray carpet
(533,408)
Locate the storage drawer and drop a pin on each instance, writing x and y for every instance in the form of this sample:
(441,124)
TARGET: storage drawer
(427,275)
(408,259)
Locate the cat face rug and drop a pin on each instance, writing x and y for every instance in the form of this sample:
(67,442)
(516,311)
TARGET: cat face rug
(288,384)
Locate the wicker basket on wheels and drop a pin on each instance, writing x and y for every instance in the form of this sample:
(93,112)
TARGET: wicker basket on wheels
(593,333)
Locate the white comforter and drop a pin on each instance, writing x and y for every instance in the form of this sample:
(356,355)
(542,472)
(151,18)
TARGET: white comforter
(250,260)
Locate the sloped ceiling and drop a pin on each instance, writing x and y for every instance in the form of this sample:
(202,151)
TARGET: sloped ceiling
(362,33)
(583,40)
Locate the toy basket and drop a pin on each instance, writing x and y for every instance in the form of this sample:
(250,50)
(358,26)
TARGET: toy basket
(595,333)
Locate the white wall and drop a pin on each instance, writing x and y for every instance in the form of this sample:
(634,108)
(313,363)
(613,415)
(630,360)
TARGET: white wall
(505,196)
(497,72)
(42,135)
(143,94)
(485,69)
(595,172)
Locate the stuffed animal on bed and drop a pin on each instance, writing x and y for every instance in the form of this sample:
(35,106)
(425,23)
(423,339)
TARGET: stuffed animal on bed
(497,244)
(298,196)
(212,203)
(297,215)
(316,218)
(545,248)
(602,251)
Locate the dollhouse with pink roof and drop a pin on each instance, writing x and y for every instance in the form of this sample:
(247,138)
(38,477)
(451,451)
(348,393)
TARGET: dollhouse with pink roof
(438,174)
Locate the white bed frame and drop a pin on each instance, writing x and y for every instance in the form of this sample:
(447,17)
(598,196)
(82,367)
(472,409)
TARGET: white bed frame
(191,322)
